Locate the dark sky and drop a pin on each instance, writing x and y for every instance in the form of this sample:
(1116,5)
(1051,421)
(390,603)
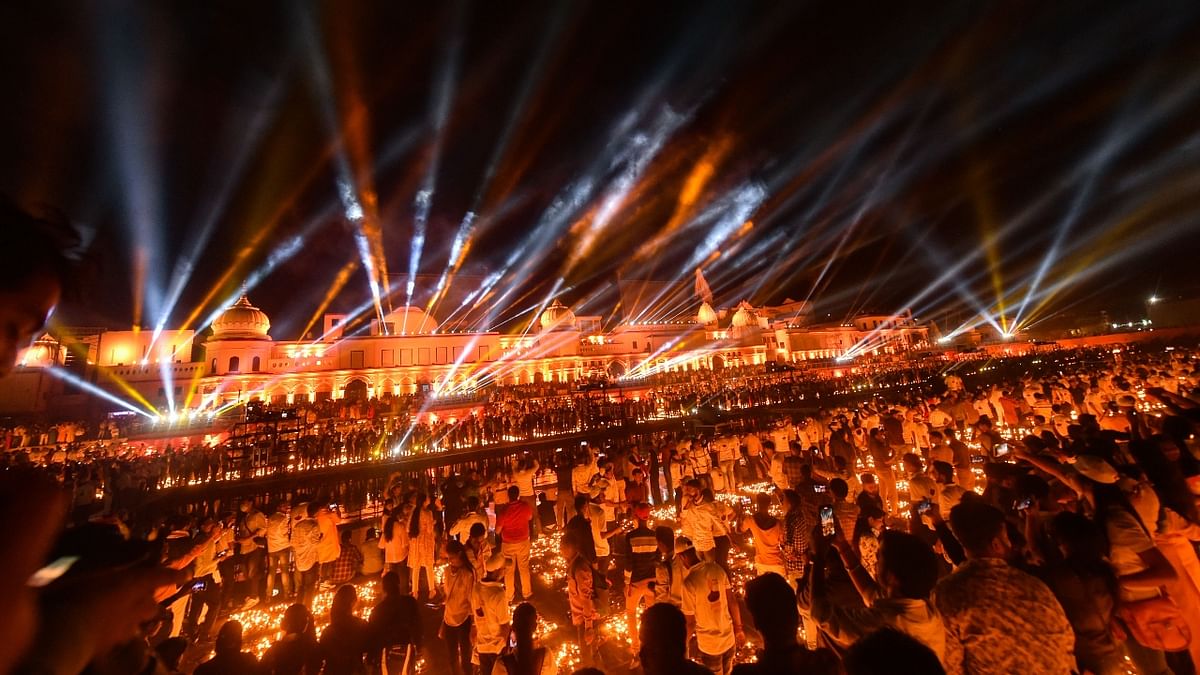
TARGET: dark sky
(953,158)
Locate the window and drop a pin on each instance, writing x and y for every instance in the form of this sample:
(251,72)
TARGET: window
(334,322)
(423,356)
(235,364)
(442,355)
(635,344)
(213,368)
(406,357)
(483,353)
(256,364)
(387,358)
(356,358)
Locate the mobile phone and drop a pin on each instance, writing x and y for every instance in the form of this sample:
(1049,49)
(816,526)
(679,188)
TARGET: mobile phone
(978,459)
(827,524)
(923,506)
(199,586)
(1001,449)
(1024,504)
(818,487)
(54,570)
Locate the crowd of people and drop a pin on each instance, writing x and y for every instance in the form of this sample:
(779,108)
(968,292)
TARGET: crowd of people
(1015,522)
(1041,523)
(106,468)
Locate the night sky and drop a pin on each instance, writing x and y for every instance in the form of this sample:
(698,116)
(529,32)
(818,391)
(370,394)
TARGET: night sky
(952,158)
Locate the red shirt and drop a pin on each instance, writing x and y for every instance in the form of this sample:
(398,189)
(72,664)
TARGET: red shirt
(513,524)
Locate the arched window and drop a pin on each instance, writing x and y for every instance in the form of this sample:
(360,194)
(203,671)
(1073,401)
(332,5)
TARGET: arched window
(256,364)
(235,364)
(214,367)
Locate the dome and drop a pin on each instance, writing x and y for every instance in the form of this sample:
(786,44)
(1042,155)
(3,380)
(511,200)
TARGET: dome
(410,321)
(242,321)
(557,317)
(742,317)
(706,315)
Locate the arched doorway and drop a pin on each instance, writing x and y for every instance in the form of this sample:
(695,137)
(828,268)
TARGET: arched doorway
(718,363)
(356,390)
(539,378)
(616,370)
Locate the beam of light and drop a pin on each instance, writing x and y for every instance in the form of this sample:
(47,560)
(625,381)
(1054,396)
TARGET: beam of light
(630,164)
(466,228)
(74,380)
(335,288)
(363,221)
(231,173)
(281,254)
(439,114)
(130,126)
(727,216)
(217,201)
(193,387)
(1120,136)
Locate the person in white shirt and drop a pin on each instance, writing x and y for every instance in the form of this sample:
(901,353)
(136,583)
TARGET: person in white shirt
(728,449)
(461,529)
(711,614)
(458,585)
(585,469)
(491,617)
(279,551)
(701,461)
(701,522)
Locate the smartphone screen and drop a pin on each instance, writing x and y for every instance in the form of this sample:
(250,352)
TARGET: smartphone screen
(818,487)
(1001,449)
(827,525)
(923,506)
(54,570)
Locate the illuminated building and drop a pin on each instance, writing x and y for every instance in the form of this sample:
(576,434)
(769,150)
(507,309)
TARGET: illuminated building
(409,352)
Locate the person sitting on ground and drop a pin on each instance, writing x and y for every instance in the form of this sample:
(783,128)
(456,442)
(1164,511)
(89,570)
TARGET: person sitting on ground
(663,636)
(888,651)
(348,638)
(229,659)
(372,554)
(772,606)
(297,651)
(348,562)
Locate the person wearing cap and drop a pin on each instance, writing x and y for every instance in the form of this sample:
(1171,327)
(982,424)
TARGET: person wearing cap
(711,613)
(640,575)
(580,585)
(489,605)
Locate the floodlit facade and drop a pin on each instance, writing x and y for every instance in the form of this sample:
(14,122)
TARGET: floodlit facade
(409,352)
